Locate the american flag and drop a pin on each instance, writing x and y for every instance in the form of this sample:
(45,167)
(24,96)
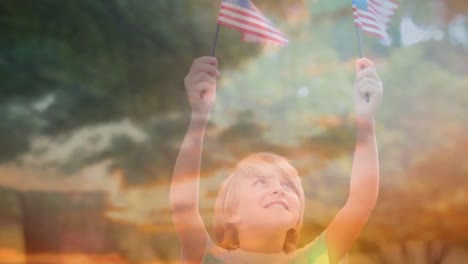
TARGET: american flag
(242,15)
(373,16)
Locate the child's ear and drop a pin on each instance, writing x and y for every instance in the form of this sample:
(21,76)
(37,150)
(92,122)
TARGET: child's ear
(234,219)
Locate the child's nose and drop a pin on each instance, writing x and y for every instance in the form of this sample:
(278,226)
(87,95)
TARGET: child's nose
(278,189)
(279,192)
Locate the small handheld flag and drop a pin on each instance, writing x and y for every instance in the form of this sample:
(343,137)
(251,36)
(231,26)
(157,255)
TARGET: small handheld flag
(372,16)
(243,16)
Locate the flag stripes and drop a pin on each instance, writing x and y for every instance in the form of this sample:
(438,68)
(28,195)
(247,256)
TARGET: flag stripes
(373,16)
(243,16)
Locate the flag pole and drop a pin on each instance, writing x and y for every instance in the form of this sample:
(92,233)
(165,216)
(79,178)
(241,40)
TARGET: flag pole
(215,42)
(359,41)
(361,53)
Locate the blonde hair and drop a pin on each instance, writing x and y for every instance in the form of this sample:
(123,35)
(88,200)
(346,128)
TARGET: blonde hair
(227,199)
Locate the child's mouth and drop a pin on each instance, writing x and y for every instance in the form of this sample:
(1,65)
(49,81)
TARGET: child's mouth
(278,203)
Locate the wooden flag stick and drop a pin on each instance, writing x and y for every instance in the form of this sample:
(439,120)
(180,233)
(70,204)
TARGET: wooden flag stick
(361,53)
(359,41)
(215,42)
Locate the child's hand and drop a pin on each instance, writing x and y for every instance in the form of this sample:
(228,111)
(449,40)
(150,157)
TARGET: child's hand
(368,89)
(200,84)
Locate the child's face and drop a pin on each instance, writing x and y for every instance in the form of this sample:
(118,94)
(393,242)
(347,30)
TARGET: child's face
(268,200)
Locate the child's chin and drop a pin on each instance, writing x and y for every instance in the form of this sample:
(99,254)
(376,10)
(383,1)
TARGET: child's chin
(277,212)
(277,222)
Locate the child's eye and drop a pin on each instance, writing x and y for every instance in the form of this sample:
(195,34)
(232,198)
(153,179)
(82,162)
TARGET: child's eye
(287,185)
(260,181)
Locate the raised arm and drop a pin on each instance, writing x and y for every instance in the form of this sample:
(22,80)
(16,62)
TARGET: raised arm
(200,84)
(363,192)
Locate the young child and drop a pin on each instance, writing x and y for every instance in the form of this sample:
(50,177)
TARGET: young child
(260,206)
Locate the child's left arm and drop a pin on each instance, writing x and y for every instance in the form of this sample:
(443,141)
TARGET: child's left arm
(363,192)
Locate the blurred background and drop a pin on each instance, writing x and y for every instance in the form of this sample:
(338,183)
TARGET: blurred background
(93,111)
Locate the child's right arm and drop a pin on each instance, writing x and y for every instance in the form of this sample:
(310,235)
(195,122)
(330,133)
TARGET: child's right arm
(200,84)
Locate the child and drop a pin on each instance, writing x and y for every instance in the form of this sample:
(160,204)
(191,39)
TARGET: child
(260,206)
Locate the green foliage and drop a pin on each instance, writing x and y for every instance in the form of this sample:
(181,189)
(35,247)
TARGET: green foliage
(101,61)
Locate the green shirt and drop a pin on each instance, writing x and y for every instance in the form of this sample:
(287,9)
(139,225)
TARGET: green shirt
(313,253)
